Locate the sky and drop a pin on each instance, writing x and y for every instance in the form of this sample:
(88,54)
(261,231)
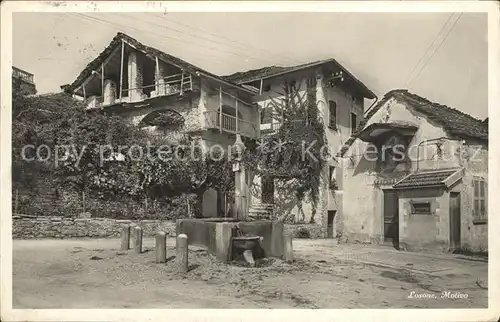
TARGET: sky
(441,56)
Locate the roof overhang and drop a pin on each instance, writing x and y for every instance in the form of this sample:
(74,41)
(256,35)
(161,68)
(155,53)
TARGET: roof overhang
(151,53)
(374,131)
(430,179)
(365,90)
(222,81)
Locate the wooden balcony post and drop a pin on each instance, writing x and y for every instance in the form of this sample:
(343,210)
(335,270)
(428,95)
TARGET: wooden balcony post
(84,94)
(220,109)
(259,115)
(261,85)
(157,69)
(182,81)
(121,69)
(102,79)
(237,117)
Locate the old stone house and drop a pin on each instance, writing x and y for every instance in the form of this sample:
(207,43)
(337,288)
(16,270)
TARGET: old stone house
(23,82)
(148,86)
(415,175)
(340,99)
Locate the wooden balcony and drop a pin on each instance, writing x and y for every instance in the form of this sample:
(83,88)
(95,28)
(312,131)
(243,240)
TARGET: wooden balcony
(171,85)
(230,124)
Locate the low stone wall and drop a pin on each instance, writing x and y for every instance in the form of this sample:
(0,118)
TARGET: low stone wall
(27,227)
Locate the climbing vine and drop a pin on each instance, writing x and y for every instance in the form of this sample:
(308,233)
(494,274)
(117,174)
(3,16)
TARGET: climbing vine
(85,146)
(297,151)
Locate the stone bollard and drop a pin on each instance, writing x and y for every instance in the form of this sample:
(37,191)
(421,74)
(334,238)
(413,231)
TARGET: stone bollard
(138,240)
(181,249)
(288,250)
(125,236)
(161,247)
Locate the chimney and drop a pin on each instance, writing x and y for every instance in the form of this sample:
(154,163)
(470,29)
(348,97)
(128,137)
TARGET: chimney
(135,77)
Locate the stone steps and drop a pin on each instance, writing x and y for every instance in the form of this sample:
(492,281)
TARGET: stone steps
(260,211)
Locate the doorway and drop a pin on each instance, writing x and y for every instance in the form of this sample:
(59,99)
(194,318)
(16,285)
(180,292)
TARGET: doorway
(455,220)
(329,227)
(268,190)
(391,217)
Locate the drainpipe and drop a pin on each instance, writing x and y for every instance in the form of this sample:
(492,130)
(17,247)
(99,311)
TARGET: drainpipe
(427,141)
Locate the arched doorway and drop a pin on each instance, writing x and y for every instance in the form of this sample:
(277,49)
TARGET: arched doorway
(164,124)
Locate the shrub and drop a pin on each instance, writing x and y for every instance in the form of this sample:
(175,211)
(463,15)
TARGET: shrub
(302,233)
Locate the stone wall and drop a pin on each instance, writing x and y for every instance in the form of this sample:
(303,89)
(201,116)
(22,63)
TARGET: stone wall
(30,227)
(23,87)
(316,231)
(424,231)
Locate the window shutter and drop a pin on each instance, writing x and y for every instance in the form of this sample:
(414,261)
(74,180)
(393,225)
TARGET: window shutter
(486,198)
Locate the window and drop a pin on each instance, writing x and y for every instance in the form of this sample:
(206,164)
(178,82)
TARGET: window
(354,123)
(421,208)
(332,114)
(266,88)
(331,175)
(480,212)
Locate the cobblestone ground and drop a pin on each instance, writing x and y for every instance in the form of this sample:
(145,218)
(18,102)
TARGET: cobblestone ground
(94,274)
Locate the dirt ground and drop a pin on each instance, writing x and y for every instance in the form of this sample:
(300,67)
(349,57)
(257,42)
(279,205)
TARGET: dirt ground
(93,273)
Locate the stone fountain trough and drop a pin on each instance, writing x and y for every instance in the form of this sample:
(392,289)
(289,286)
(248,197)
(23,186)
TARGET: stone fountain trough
(228,239)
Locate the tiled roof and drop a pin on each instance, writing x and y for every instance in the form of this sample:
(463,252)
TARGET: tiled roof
(273,71)
(425,179)
(456,123)
(254,74)
(116,41)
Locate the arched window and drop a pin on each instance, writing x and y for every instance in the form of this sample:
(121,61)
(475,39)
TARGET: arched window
(164,119)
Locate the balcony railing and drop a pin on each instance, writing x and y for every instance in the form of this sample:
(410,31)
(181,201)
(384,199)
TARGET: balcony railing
(230,124)
(23,75)
(170,85)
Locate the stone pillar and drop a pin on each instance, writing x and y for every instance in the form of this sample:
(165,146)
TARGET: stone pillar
(277,239)
(161,247)
(135,80)
(138,240)
(223,235)
(125,238)
(288,249)
(109,92)
(160,74)
(240,181)
(181,249)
